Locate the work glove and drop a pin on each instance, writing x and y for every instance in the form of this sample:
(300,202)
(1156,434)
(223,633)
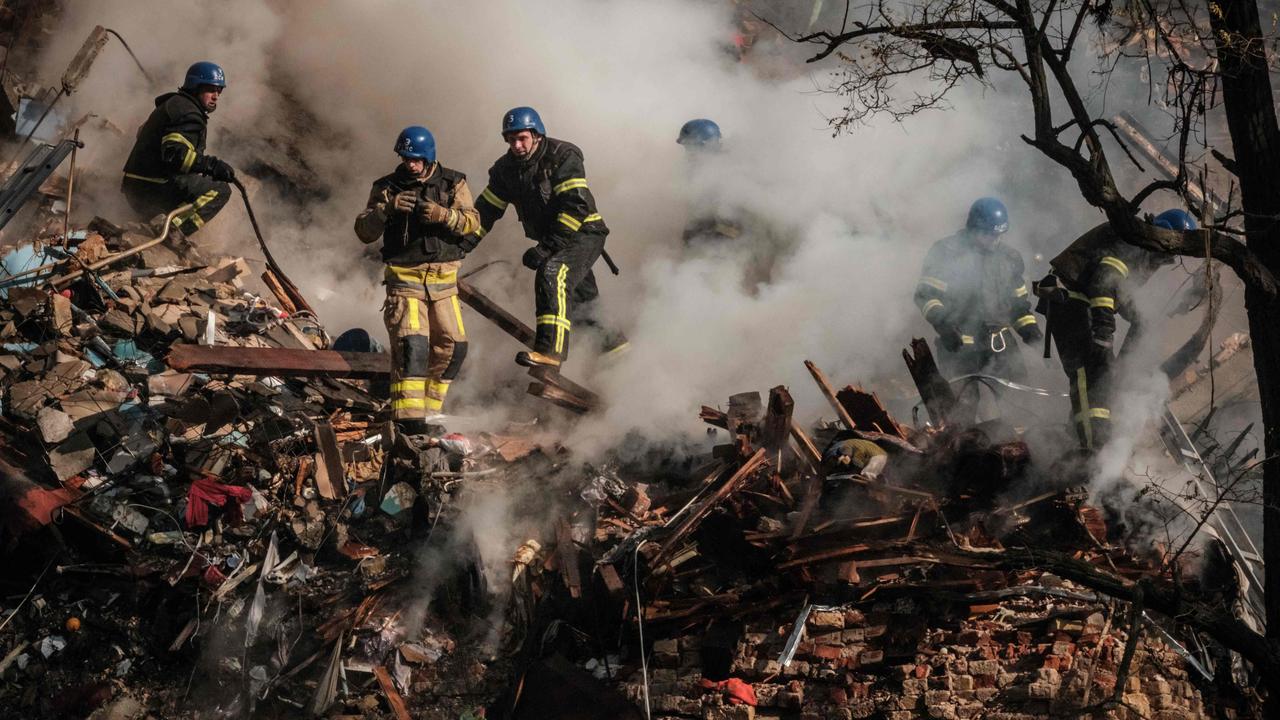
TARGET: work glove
(1030,334)
(535,256)
(949,338)
(432,212)
(405,202)
(219,169)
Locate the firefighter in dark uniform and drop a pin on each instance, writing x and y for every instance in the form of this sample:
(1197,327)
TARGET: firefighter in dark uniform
(1091,282)
(168,167)
(421,212)
(701,138)
(546,181)
(972,291)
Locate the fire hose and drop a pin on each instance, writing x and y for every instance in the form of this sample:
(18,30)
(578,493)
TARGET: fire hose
(274,272)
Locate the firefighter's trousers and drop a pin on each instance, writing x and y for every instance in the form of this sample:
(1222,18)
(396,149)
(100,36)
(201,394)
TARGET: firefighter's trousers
(428,339)
(564,292)
(152,196)
(1088,374)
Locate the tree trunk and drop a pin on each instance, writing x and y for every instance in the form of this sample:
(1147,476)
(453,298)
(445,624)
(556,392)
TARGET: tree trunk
(1255,138)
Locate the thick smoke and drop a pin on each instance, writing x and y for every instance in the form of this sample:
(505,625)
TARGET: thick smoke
(319,89)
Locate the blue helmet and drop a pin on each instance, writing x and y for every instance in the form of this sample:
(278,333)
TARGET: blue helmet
(522,118)
(416,142)
(699,133)
(988,215)
(1175,219)
(204,73)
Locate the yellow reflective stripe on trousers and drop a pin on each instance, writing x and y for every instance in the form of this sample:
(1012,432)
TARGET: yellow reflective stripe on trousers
(190,158)
(930,306)
(144,178)
(193,215)
(415,323)
(554,320)
(1082,393)
(1024,321)
(489,197)
(457,315)
(408,386)
(570,184)
(1020,292)
(1116,264)
(934,282)
(1103,302)
(562,310)
(409,404)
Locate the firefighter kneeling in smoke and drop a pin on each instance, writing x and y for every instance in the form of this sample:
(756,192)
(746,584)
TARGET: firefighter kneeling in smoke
(1091,282)
(421,211)
(168,167)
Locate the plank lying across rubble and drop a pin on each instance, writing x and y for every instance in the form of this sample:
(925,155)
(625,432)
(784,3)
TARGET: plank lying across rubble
(284,362)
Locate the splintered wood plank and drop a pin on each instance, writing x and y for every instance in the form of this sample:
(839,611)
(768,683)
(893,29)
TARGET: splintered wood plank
(777,419)
(829,393)
(734,483)
(552,376)
(559,397)
(331,479)
(568,552)
(868,412)
(934,390)
(495,313)
(389,691)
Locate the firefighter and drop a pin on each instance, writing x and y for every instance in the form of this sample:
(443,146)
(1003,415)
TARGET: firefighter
(421,212)
(973,293)
(1090,283)
(544,178)
(700,139)
(168,166)
(700,135)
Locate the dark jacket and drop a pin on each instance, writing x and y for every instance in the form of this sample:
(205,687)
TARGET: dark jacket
(549,191)
(171,142)
(407,238)
(1101,269)
(973,290)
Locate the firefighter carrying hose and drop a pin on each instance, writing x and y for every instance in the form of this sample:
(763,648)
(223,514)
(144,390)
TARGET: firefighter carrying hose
(421,211)
(546,181)
(1091,282)
(168,166)
(972,291)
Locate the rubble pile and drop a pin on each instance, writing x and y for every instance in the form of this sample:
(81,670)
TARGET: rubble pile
(200,538)
(793,584)
(189,531)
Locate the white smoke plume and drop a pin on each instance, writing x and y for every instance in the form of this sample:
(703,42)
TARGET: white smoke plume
(320,88)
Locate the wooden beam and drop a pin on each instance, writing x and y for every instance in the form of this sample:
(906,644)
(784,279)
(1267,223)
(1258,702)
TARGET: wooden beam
(331,478)
(280,362)
(494,312)
(389,691)
(830,394)
(934,390)
(556,396)
(777,419)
